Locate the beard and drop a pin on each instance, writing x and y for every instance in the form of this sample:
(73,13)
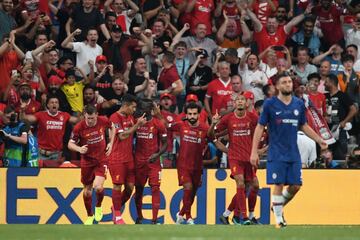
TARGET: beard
(192,121)
(286,93)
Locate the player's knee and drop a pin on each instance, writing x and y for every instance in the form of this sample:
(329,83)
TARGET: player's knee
(129,187)
(239,181)
(117,187)
(255,186)
(295,189)
(187,186)
(98,189)
(87,192)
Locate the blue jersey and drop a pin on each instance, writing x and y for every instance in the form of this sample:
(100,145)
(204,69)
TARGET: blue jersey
(283,123)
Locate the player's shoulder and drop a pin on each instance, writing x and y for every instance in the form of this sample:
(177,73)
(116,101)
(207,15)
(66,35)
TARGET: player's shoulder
(103,119)
(268,102)
(228,116)
(40,114)
(252,115)
(80,125)
(298,102)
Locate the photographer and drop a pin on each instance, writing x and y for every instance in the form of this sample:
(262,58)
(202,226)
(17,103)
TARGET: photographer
(14,135)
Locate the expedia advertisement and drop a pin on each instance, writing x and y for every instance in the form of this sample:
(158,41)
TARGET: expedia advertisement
(54,196)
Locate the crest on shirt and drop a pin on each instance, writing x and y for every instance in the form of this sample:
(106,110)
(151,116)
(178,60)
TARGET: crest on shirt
(169,118)
(101,130)
(61,118)
(296,112)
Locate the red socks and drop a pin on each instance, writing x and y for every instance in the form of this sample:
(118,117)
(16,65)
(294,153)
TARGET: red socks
(252,199)
(138,200)
(125,196)
(241,198)
(186,202)
(155,191)
(88,204)
(116,199)
(99,197)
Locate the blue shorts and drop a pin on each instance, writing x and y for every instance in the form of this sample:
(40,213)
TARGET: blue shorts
(287,173)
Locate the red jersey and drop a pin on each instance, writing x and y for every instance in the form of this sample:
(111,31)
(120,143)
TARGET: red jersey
(148,139)
(51,129)
(192,144)
(202,13)
(218,90)
(330,23)
(319,102)
(168,76)
(170,118)
(264,39)
(263,10)
(31,108)
(122,149)
(94,138)
(241,131)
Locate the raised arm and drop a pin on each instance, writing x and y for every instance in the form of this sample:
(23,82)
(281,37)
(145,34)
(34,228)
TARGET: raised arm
(178,36)
(221,32)
(68,26)
(244,58)
(134,8)
(18,51)
(105,31)
(256,22)
(317,60)
(190,6)
(107,6)
(68,41)
(143,86)
(246,34)
(126,133)
(296,20)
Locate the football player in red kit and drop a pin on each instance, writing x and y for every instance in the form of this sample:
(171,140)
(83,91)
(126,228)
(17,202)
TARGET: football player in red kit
(121,161)
(193,135)
(151,143)
(240,125)
(88,138)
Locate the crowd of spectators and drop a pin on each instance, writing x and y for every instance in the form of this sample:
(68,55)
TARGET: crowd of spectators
(58,56)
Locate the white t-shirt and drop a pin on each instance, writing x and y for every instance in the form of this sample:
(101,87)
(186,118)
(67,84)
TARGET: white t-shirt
(269,72)
(248,82)
(307,149)
(84,53)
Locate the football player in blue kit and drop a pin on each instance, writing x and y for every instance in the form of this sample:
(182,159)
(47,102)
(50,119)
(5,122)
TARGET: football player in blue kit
(284,115)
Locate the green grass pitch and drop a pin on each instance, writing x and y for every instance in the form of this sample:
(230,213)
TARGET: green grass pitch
(174,232)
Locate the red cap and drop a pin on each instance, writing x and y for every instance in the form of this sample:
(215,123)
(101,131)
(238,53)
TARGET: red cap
(101,58)
(248,95)
(54,79)
(192,97)
(164,95)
